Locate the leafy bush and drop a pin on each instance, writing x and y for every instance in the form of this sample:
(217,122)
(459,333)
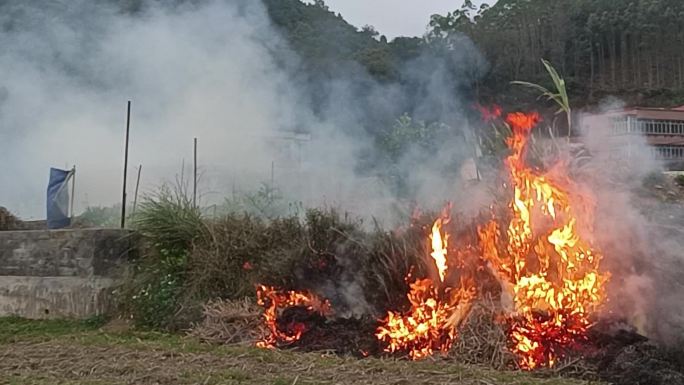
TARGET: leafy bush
(266,202)
(679,179)
(154,296)
(8,221)
(99,216)
(654,179)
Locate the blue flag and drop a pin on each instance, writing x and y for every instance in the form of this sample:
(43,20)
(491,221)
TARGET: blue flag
(58,199)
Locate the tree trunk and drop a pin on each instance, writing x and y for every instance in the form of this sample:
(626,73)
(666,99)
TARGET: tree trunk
(624,59)
(591,67)
(601,70)
(639,70)
(613,58)
(649,68)
(681,74)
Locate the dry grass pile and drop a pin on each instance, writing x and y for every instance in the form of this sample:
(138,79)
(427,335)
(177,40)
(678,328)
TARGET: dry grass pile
(326,252)
(230,322)
(237,251)
(481,339)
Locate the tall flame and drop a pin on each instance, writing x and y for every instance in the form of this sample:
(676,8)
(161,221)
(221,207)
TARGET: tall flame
(436,313)
(550,271)
(439,247)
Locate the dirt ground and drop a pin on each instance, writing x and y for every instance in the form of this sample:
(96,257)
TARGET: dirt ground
(56,352)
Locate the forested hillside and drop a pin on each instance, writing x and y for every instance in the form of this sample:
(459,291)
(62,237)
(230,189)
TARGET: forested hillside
(601,46)
(629,48)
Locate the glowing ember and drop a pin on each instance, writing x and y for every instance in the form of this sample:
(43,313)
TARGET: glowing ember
(550,271)
(274,300)
(489,113)
(432,321)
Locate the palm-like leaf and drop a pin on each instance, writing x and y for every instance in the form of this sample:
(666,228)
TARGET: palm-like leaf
(560,96)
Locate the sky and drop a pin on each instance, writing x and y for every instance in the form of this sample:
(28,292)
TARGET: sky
(410,18)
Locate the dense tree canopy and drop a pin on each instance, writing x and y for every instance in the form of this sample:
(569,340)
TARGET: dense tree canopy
(621,47)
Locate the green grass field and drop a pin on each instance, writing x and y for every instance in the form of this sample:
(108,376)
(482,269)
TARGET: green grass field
(63,352)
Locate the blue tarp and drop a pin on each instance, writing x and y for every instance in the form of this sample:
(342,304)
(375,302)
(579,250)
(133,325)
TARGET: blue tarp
(58,199)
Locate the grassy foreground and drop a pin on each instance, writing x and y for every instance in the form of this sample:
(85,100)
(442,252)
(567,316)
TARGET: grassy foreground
(63,352)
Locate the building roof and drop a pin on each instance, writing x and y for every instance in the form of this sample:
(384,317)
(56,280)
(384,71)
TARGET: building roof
(675,113)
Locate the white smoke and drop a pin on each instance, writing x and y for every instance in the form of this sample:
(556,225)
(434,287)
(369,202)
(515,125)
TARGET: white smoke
(641,249)
(215,70)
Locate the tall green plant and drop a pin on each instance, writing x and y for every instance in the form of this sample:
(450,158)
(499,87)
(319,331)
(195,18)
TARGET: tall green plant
(169,218)
(154,295)
(559,96)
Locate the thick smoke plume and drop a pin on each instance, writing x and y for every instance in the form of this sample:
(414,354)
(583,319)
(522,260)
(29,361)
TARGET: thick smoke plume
(639,233)
(216,70)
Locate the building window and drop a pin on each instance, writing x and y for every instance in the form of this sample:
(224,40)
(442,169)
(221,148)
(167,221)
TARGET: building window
(659,127)
(668,152)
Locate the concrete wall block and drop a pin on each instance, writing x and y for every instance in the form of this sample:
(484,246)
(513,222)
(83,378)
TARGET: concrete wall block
(55,297)
(65,253)
(62,273)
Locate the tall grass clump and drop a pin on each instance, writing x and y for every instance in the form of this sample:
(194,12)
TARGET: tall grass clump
(234,252)
(169,218)
(170,224)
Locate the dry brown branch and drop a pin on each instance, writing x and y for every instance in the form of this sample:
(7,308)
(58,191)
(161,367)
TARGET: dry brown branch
(481,339)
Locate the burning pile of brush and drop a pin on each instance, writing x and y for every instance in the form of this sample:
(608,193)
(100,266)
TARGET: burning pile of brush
(536,248)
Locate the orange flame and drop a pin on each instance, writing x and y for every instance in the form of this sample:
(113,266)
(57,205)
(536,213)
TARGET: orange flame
(550,272)
(439,244)
(432,321)
(273,300)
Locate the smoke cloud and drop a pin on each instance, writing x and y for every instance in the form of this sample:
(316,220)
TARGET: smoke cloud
(636,230)
(215,70)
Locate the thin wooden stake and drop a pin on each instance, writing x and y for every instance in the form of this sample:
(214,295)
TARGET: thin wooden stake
(73,190)
(194,177)
(125,171)
(137,185)
(272,179)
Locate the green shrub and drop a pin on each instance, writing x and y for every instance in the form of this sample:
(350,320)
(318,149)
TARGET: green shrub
(8,221)
(653,179)
(266,202)
(155,293)
(98,216)
(679,179)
